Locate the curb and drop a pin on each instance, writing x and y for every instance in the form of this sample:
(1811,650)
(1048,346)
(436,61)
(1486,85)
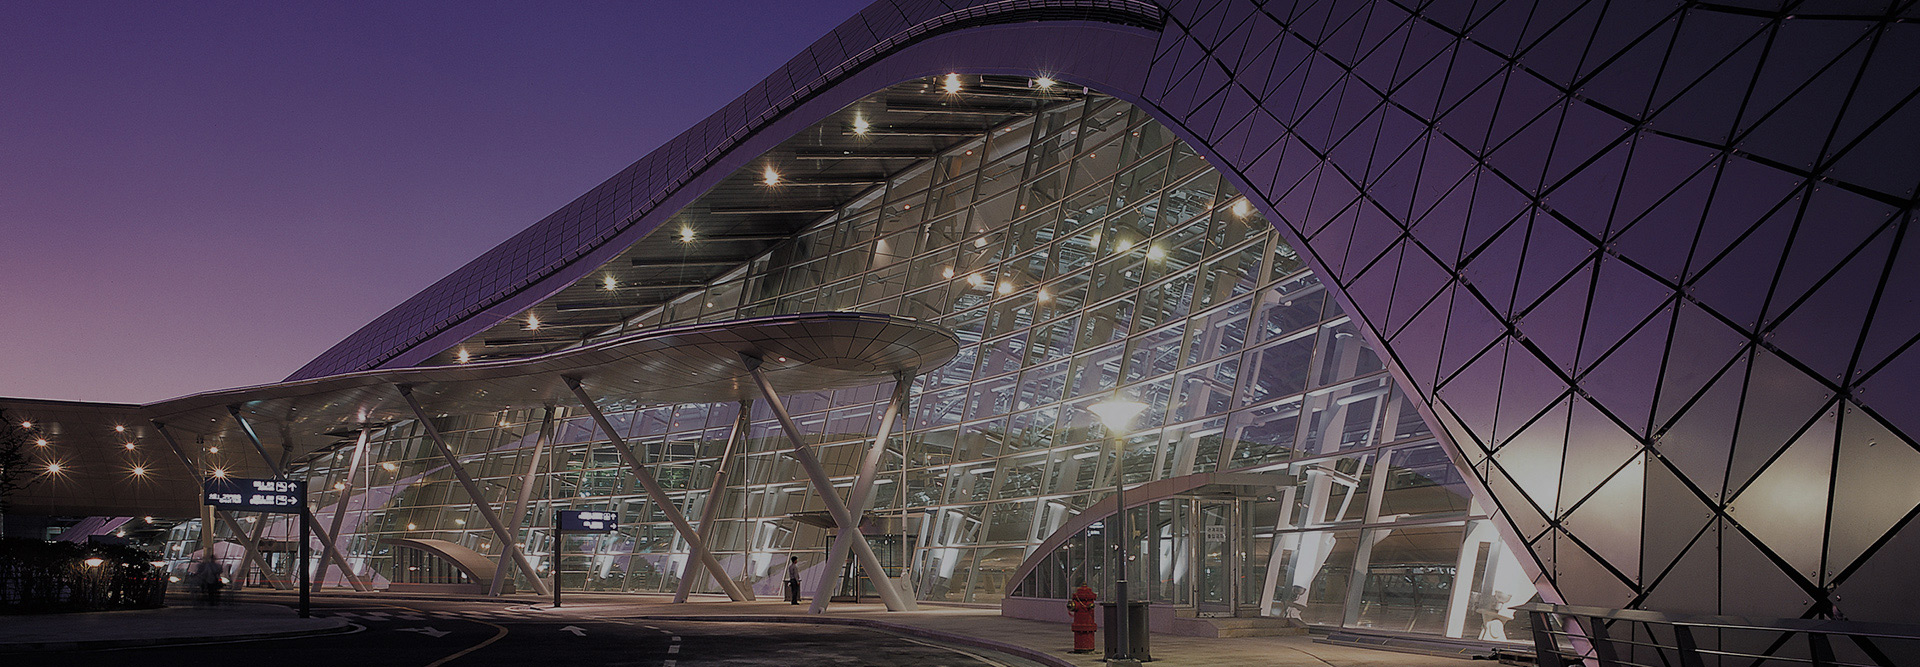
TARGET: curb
(341,626)
(1028,653)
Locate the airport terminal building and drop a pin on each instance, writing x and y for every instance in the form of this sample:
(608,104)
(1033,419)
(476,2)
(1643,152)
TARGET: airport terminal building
(1433,311)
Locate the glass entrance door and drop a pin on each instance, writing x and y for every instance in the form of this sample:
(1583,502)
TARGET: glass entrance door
(1215,594)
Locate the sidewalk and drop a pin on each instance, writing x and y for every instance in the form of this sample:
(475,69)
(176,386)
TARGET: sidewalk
(151,627)
(1046,643)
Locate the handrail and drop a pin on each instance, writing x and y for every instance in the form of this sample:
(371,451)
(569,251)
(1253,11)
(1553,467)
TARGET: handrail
(1569,635)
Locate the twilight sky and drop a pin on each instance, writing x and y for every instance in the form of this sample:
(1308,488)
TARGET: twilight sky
(203,195)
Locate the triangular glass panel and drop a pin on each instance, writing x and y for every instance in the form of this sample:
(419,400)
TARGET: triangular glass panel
(1554,325)
(1898,316)
(1882,587)
(1474,393)
(1608,521)
(1700,441)
(1701,348)
(1785,507)
(1596,447)
(1678,516)
(1691,585)
(1873,490)
(1532,457)
(1623,381)
(1780,402)
(1835,225)
(1761,588)
(1526,388)
(1622,300)
(1582,580)
(1822,331)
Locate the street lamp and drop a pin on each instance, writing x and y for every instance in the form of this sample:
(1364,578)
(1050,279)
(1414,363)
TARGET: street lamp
(1117,414)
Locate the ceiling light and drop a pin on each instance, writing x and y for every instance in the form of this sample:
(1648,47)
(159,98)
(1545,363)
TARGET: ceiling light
(339,486)
(860,125)
(96,561)
(213,450)
(946,272)
(1241,208)
(1043,296)
(412,527)
(975,280)
(770,177)
(53,468)
(1122,246)
(139,471)
(389,466)
(1006,287)
(463,355)
(953,83)
(129,446)
(1156,253)
(26,424)
(119,429)
(609,283)
(1043,82)
(148,519)
(533,322)
(219,473)
(41,442)
(686,234)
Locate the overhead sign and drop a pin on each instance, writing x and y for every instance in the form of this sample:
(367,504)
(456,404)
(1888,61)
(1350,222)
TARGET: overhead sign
(588,521)
(284,496)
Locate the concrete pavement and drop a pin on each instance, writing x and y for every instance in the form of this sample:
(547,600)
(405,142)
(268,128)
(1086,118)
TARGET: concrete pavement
(984,627)
(154,627)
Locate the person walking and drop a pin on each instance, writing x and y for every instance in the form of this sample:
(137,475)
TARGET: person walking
(210,575)
(793,579)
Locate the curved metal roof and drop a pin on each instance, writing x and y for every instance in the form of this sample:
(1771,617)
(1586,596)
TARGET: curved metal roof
(547,256)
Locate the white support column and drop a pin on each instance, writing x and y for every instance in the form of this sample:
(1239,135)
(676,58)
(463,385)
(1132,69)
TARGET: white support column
(862,496)
(519,510)
(508,547)
(657,494)
(340,514)
(695,569)
(206,529)
(823,484)
(328,552)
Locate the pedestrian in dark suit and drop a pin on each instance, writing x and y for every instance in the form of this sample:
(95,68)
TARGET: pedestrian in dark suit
(793,579)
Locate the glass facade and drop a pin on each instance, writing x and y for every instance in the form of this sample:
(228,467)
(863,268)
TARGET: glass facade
(1077,252)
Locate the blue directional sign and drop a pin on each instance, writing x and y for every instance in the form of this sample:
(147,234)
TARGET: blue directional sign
(284,496)
(588,521)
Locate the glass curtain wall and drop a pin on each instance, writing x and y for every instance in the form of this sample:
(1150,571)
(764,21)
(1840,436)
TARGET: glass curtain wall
(1075,252)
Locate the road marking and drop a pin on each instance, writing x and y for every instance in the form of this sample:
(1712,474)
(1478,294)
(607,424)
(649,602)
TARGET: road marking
(676,637)
(428,631)
(674,648)
(970,654)
(668,663)
(651,627)
(576,630)
(496,637)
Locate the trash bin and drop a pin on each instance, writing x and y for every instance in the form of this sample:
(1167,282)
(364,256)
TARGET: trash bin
(1136,629)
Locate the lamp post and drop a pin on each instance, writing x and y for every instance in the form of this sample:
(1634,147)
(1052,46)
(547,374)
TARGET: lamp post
(1117,414)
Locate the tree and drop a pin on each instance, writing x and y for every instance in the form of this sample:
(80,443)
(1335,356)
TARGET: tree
(15,438)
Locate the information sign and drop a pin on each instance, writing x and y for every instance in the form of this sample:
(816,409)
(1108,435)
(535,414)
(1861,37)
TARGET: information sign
(283,496)
(588,521)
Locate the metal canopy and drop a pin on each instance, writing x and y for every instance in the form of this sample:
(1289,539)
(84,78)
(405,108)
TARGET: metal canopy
(690,364)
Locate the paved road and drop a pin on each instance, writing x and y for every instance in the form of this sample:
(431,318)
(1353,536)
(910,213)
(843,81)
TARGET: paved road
(471,634)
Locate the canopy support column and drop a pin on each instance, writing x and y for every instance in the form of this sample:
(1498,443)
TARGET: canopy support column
(206,529)
(711,508)
(849,526)
(657,494)
(340,514)
(279,469)
(507,546)
(862,496)
(519,511)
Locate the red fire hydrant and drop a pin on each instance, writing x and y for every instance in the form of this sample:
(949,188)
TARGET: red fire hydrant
(1081,606)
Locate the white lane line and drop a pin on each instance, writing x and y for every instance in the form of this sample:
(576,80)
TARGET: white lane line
(674,648)
(676,637)
(651,627)
(668,663)
(970,654)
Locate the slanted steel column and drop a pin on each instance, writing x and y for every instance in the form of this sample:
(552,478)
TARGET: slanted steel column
(849,527)
(206,529)
(328,553)
(657,494)
(340,513)
(519,510)
(508,547)
(862,496)
(708,511)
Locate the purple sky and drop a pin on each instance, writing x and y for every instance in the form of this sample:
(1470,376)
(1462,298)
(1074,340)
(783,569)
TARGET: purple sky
(202,195)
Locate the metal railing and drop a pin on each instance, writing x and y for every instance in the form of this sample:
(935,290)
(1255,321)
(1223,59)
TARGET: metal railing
(1568,636)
